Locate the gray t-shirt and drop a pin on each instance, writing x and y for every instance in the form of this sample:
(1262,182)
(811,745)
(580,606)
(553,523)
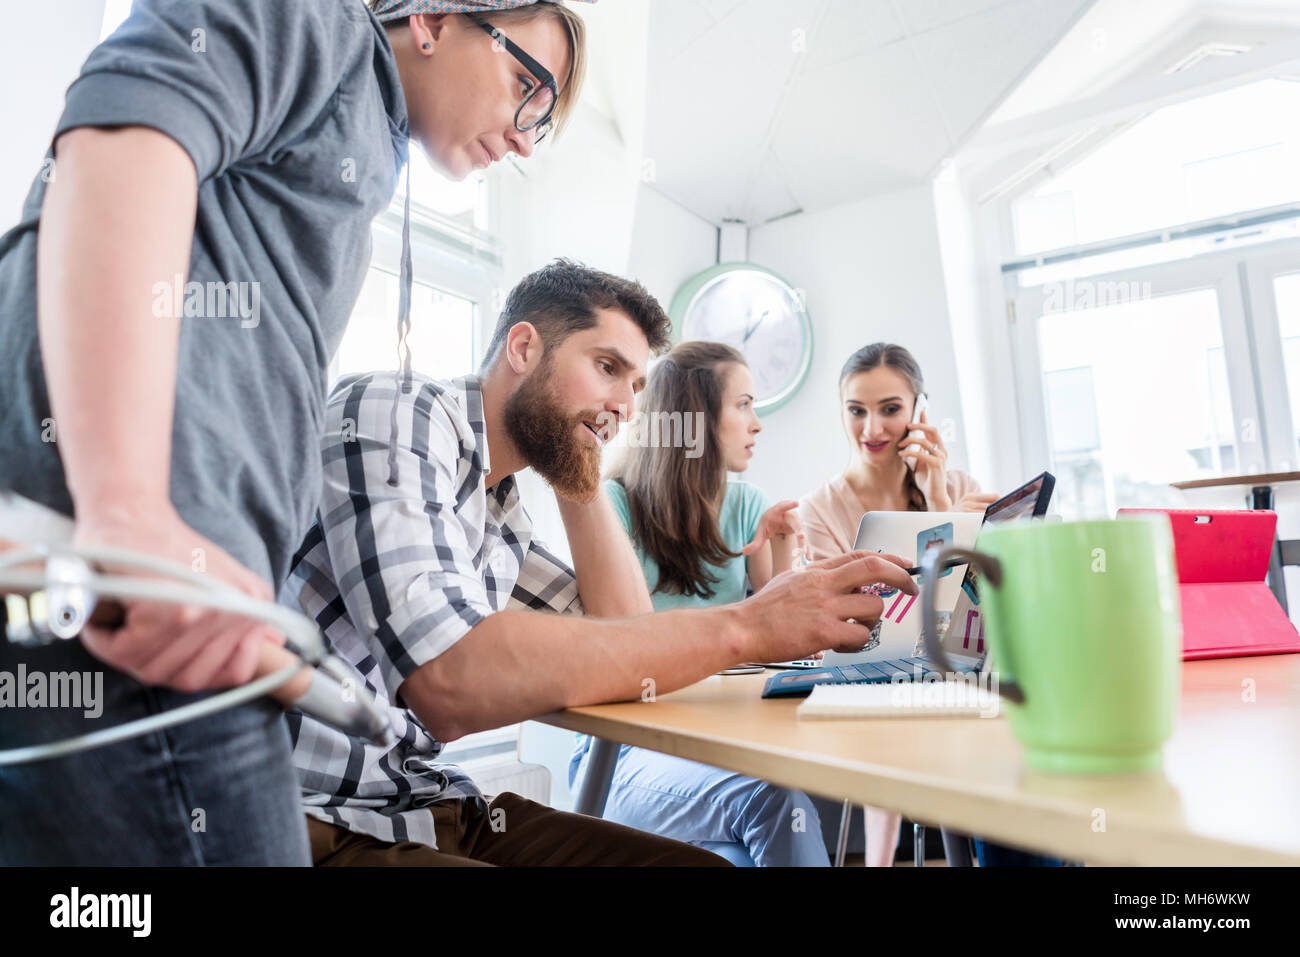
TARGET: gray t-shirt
(293,113)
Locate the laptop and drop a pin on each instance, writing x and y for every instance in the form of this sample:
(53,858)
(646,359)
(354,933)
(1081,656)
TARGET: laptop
(910,535)
(962,635)
(1228,610)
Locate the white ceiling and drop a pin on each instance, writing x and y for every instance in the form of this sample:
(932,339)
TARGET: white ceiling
(1117,54)
(1118,40)
(756,109)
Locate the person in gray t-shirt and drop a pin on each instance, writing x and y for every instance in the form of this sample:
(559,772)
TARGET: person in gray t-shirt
(182,272)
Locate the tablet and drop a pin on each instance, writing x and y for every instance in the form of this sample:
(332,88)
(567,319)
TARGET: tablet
(1028,501)
(963,632)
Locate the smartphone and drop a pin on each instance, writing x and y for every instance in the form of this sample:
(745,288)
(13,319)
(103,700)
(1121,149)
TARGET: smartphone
(921,403)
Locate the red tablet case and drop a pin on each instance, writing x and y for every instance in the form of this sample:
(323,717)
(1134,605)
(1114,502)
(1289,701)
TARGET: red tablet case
(1228,608)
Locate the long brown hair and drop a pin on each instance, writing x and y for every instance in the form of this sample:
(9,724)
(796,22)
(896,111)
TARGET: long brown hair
(900,360)
(675,499)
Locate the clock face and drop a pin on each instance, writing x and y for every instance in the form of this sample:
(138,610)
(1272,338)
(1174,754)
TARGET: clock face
(763,317)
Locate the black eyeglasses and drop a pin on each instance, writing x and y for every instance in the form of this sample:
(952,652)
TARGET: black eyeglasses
(535,111)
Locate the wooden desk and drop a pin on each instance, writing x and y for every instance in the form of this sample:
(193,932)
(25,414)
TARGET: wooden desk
(1229,793)
(1263,479)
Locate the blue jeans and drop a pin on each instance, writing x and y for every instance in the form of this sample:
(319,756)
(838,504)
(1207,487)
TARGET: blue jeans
(698,804)
(219,790)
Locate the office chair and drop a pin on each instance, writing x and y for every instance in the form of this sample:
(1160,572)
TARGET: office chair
(956,847)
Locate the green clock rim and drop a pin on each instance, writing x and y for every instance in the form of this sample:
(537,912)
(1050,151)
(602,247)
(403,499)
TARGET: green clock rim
(686,295)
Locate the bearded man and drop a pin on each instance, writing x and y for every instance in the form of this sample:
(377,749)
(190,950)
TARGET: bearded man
(424,575)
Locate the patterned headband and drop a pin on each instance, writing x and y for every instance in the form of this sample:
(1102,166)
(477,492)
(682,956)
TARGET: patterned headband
(395,9)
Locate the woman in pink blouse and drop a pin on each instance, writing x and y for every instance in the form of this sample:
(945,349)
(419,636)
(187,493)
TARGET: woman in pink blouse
(879,386)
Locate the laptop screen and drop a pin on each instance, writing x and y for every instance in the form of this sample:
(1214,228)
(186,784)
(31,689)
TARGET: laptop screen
(1029,500)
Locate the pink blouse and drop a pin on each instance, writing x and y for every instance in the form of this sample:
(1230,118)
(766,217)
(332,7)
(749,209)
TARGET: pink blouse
(831,514)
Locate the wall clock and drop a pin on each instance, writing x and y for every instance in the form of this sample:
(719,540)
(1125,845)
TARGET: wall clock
(757,312)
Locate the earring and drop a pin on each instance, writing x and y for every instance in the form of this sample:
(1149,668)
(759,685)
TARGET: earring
(428,46)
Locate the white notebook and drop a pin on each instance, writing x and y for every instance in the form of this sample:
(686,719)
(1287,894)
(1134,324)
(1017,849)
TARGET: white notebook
(905,699)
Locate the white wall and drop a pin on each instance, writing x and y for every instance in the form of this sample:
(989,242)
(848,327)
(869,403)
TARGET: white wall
(669,244)
(871,271)
(42,49)
(981,336)
(578,201)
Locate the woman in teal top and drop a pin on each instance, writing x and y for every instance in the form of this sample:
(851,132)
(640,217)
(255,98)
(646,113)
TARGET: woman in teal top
(742,510)
(700,537)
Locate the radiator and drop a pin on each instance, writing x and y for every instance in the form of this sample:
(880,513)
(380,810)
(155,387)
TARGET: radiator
(531,781)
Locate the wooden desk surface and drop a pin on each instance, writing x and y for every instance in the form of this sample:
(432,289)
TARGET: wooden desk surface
(1264,478)
(1229,793)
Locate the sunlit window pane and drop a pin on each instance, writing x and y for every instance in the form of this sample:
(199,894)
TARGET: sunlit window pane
(1286,289)
(1137,398)
(464,202)
(115,11)
(441,337)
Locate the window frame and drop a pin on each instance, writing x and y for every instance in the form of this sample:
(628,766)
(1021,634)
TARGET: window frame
(1258,273)
(1258,390)
(1242,277)
(456,260)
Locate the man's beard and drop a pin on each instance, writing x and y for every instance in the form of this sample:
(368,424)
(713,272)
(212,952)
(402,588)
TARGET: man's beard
(547,438)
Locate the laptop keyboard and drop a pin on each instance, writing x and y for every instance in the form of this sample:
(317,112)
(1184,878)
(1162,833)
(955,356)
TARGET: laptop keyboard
(801,682)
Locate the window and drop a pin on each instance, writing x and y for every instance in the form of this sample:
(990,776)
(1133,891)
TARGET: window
(115,11)
(464,203)
(1153,287)
(456,265)
(1286,290)
(1137,398)
(441,338)
(1071,396)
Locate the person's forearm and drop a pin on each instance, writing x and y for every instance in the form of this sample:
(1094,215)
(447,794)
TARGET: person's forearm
(540,663)
(118,218)
(758,567)
(783,548)
(611,581)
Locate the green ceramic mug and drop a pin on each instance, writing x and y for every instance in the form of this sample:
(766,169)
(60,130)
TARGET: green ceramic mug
(1085,636)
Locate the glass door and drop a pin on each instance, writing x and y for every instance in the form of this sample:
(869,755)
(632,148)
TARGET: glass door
(1273,289)
(1130,382)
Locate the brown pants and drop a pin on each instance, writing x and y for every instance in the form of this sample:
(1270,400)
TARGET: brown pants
(527,834)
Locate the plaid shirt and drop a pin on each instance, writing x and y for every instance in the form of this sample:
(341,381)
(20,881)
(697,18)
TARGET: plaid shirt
(394,576)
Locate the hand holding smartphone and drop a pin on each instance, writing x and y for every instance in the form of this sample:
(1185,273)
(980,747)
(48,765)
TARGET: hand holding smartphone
(922,402)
